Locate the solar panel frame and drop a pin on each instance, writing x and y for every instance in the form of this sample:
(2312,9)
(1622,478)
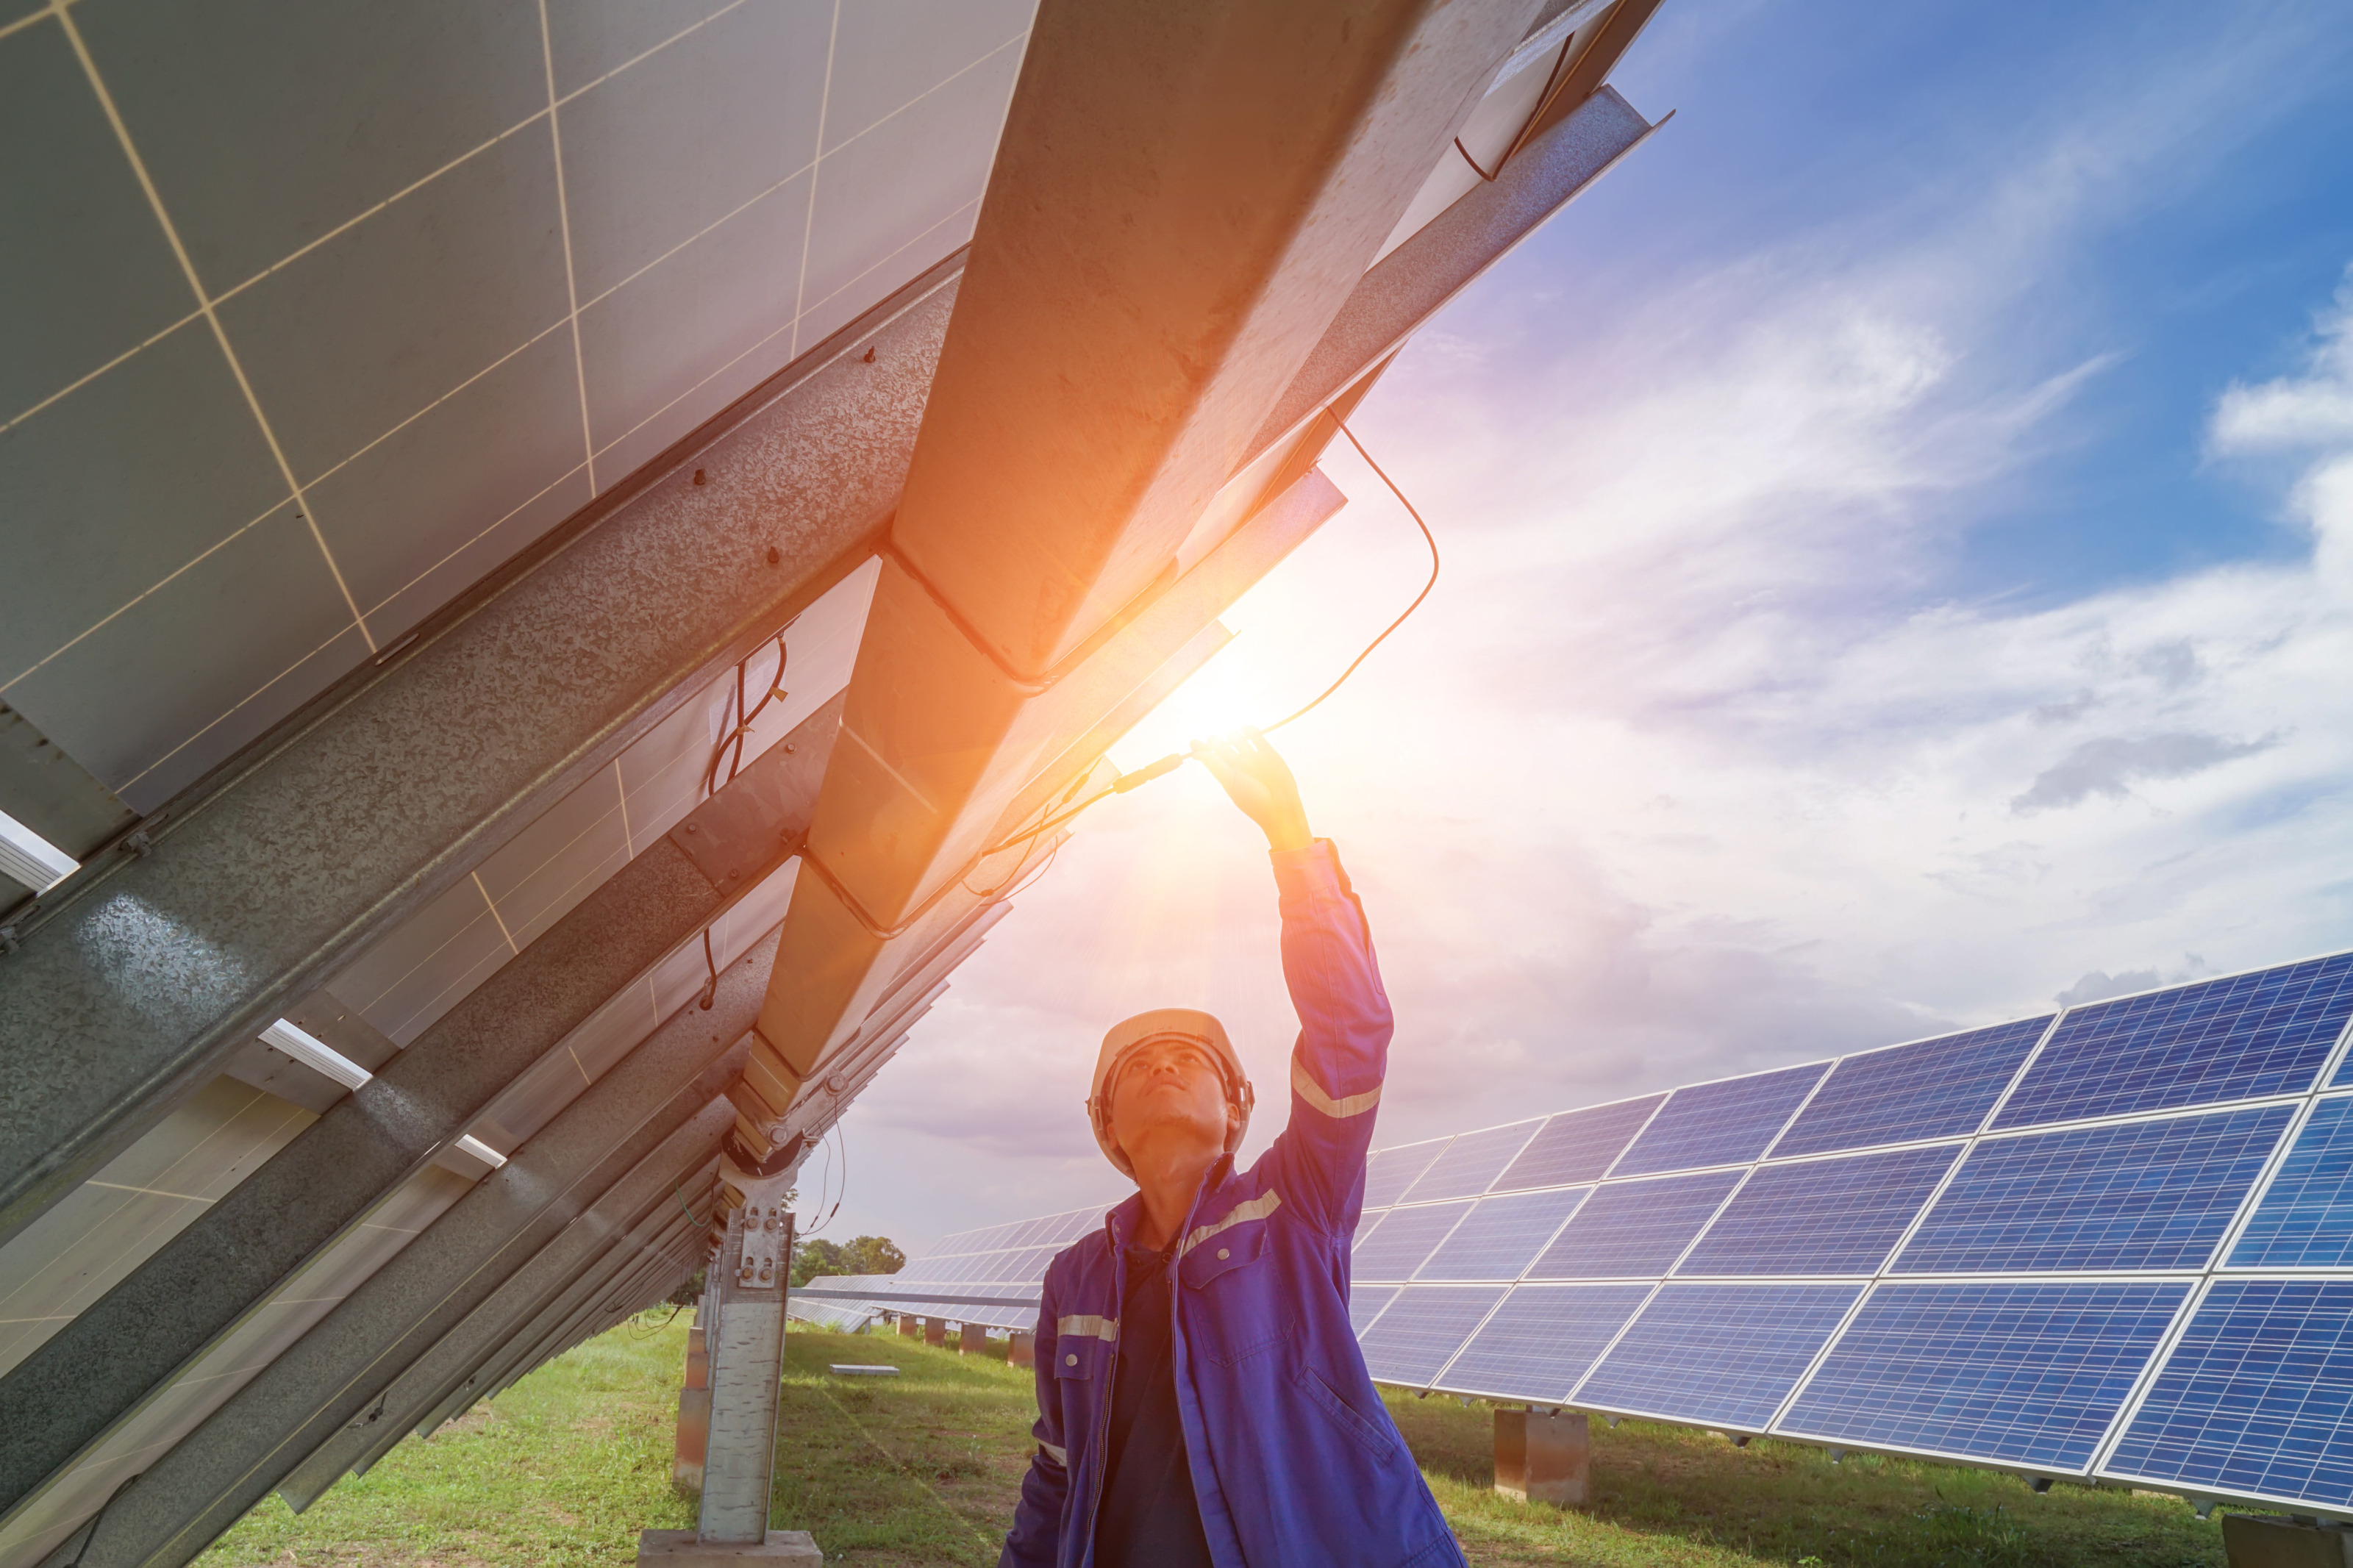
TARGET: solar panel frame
(1813,1203)
(1389,1171)
(1725,1122)
(1410,1236)
(1692,1198)
(2011,1388)
(2306,1198)
(1472,1162)
(1505,1225)
(1607,1309)
(1418,1334)
(2033,1220)
(2136,1053)
(1672,1338)
(2213,1385)
(1876,1091)
(1594,1136)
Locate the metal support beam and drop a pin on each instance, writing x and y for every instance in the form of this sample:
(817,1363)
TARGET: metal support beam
(143,972)
(747,1346)
(670,1099)
(96,1370)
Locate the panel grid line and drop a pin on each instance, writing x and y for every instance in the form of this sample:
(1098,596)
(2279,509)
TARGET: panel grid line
(563,229)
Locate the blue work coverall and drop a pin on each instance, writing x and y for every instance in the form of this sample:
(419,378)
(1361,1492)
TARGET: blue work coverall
(1294,1459)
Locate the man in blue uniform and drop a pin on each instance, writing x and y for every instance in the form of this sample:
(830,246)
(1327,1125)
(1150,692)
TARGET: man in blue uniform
(1201,1399)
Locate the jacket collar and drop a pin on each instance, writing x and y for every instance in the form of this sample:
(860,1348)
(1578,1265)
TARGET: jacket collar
(1120,1221)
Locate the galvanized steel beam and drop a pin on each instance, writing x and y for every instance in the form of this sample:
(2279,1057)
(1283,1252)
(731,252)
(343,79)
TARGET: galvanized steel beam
(125,1347)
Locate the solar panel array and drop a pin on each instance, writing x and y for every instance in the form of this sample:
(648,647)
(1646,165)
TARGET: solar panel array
(2115,1242)
(991,1276)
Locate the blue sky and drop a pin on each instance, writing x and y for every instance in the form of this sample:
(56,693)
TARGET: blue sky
(1900,573)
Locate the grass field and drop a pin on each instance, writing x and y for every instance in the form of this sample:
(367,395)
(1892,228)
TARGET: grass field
(569,1464)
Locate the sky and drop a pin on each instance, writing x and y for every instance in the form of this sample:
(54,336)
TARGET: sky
(1898,576)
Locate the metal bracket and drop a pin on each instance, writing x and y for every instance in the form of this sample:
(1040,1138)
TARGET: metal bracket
(760,816)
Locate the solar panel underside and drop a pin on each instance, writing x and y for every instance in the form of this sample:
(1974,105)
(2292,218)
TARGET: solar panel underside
(2257,1398)
(2134,1195)
(1718,1355)
(1726,1123)
(2027,1373)
(1821,1216)
(2235,1038)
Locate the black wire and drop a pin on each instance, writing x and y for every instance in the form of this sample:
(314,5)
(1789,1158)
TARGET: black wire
(1129,781)
(744,722)
(1553,84)
(98,1518)
(710,990)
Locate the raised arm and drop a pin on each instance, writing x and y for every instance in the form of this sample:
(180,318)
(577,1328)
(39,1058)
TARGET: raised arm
(1336,986)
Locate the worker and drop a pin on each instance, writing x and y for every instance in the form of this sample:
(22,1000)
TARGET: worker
(1201,1399)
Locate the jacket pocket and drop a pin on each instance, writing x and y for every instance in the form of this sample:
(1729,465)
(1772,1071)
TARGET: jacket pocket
(1376,1437)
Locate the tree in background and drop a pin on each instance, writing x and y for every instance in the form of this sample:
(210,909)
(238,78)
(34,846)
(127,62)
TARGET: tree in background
(866,1255)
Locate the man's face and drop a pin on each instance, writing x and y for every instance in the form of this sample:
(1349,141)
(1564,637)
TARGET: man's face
(1165,1084)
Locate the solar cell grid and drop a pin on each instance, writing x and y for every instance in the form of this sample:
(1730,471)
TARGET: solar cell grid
(1930,1089)
(1389,1171)
(1502,1235)
(1471,1162)
(1633,1230)
(1823,1216)
(1724,1123)
(2027,1373)
(2141,1195)
(1578,1145)
(1396,1247)
(1422,1330)
(1365,1304)
(2256,1397)
(1720,1354)
(1542,1339)
(2305,1217)
(2235,1039)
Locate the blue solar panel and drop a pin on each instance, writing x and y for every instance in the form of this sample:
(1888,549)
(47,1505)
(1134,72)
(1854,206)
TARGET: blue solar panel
(1718,1124)
(1578,1145)
(1823,1216)
(1931,1089)
(2306,1220)
(1503,1234)
(1420,1333)
(1633,1229)
(2028,1373)
(2142,1195)
(1365,1304)
(1471,1162)
(1394,1249)
(2220,1039)
(1725,1355)
(1389,1171)
(2256,1397)
(1542,1339)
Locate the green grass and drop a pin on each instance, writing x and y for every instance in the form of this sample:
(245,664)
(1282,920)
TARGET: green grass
(569,1464)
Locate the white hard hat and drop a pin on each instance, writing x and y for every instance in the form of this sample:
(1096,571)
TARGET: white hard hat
(1161,1023)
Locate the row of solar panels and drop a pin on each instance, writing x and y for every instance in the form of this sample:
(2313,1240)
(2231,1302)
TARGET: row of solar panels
(2155,1193)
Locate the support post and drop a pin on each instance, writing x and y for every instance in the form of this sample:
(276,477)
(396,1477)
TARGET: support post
(694,1407)
(973,1340)
(2272,1540)
(910,1326)
(1543,1457)
(1022,1349)
(746,1349)
(935,1331)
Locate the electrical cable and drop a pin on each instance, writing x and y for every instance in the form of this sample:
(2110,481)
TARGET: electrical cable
(744,722)
(1175,759)
(1553,84)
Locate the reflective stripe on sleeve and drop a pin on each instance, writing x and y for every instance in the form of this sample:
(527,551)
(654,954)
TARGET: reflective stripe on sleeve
(1088,1326)
(1258,1208)
(1051,1452)
(1308,1090)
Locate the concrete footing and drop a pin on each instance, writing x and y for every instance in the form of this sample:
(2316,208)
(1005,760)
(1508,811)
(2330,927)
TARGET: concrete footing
(1543,1458)
(693,1441)
(909,1328)
(935,1331)
(973,1341)
(1022,1349)
(2272,1541)
(685,1549)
